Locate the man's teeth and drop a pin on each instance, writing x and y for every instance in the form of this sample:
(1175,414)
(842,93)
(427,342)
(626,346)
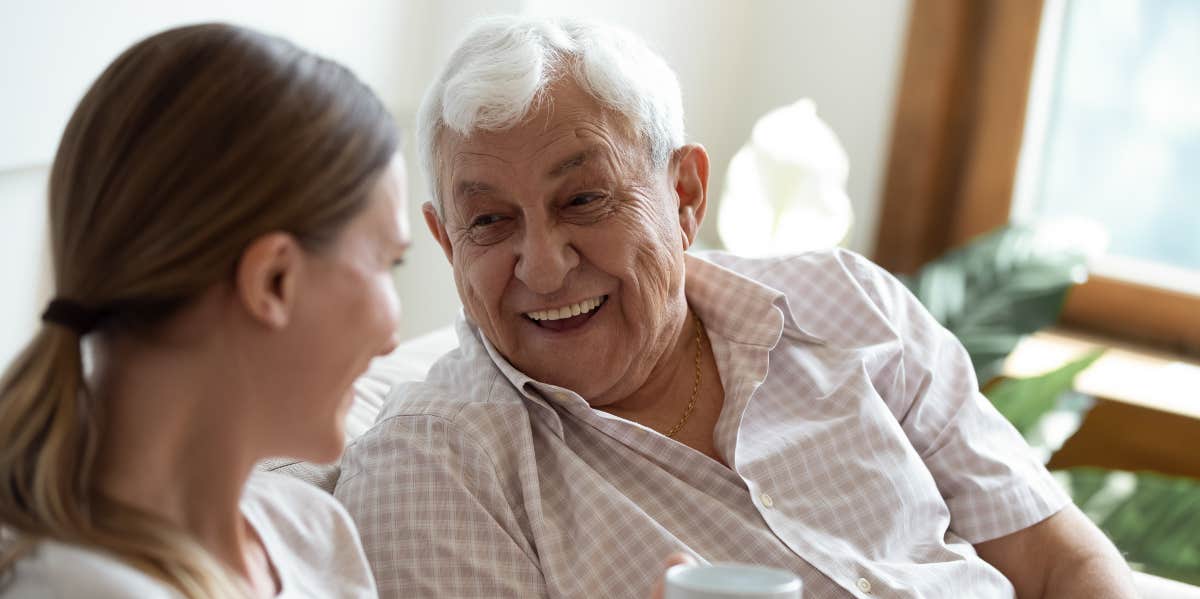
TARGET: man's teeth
(567,311)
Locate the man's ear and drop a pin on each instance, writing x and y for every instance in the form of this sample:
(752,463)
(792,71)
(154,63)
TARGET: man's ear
(690,180)
(437,229)
(267,278)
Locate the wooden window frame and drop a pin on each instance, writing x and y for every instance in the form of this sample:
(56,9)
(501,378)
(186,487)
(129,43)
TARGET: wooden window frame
(956,141)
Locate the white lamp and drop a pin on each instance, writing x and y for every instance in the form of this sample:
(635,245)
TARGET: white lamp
(785,191)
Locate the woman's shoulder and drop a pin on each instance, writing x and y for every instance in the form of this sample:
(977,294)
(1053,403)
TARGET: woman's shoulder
(309,536)
(53,570)
(286,500)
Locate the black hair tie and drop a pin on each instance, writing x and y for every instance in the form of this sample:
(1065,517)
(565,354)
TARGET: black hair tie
(72,315)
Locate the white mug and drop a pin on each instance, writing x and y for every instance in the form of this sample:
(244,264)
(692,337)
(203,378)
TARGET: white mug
(729,581)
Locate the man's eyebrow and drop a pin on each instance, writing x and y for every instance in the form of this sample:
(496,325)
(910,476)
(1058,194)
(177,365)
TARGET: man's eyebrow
(574,161)
(466,189)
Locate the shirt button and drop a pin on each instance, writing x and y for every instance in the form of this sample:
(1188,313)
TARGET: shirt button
(766,500)
(864,585)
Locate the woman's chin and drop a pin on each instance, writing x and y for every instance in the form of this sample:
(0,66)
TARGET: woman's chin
(325,449)
(321,443)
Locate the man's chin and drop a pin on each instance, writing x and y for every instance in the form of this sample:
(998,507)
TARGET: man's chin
(565,374)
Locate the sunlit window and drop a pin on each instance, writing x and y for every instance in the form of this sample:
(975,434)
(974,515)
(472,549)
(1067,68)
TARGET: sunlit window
(1113,140)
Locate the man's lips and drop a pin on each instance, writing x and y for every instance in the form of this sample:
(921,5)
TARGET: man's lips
(567,311)
(568,317)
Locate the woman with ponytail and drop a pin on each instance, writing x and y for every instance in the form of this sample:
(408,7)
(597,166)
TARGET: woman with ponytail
(225,211)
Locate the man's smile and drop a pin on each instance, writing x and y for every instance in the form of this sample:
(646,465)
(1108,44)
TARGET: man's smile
(564,318)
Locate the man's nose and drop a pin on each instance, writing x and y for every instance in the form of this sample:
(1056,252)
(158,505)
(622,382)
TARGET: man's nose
(546,256)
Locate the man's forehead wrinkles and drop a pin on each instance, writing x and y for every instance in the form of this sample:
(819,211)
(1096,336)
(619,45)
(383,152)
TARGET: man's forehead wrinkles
(551,140)
(462,181)
(562,153)
(468,157)
(591,155)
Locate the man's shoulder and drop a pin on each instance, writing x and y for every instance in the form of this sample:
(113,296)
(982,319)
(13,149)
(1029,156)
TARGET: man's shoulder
(454,385)
(477,414)
(825,290)
(791,268)
(464,394)
(813,275)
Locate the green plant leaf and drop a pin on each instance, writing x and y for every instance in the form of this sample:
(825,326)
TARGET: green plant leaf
(998,288)
(1005,285)
(1152,518)
(1024,401)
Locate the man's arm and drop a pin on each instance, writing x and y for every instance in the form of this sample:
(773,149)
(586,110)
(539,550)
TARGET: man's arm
(992,484)
(1064,556)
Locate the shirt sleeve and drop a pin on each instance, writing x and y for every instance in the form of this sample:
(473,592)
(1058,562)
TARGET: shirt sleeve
(984,470)
(433,515)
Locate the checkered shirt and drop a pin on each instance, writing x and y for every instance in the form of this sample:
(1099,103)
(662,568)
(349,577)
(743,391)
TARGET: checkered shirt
(863,458)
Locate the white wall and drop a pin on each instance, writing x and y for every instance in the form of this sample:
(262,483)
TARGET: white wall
(52,51)
(735,60)
(847,56)
(24,263)
(738,59)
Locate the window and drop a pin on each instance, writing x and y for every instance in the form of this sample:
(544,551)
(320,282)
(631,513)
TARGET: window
(1112,140)
(1075,111)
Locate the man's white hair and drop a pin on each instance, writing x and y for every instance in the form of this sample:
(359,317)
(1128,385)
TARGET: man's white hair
(499,74)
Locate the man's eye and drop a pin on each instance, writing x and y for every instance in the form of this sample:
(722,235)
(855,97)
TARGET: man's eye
(485,220)
(584,199)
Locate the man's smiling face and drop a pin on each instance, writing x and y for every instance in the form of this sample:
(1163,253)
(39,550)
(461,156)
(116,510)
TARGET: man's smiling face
(566,244)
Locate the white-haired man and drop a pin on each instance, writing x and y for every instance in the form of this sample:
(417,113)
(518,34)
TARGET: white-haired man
(614,400)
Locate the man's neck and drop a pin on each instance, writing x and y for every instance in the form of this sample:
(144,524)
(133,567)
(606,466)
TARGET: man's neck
(662,399)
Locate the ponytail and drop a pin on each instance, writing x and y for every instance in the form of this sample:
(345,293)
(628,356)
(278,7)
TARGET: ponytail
(52,427)
(192,144)
(50,432)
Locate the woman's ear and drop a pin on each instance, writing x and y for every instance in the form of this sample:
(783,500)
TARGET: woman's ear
(267,278)
(690,181)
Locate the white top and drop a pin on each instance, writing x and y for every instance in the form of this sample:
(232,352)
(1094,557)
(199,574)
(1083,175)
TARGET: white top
(308,536)
(863,457)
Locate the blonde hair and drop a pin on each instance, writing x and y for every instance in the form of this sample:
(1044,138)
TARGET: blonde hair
(189,146)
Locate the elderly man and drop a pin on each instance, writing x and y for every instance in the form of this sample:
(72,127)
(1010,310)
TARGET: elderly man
(614,399)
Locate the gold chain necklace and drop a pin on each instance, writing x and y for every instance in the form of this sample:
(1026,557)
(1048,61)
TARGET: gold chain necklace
(695,385)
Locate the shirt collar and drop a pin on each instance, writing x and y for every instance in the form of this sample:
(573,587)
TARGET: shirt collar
(739,308)
(730,304)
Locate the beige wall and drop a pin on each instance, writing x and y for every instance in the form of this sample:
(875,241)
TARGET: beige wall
(736,59)
(23,256)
